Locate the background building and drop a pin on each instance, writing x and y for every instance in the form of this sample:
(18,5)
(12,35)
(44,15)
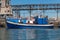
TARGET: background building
(5,8)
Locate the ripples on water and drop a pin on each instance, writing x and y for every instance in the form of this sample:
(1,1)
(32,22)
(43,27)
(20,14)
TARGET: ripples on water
(29,34)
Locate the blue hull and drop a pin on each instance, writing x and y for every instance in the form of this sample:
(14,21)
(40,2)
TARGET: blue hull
(14,26)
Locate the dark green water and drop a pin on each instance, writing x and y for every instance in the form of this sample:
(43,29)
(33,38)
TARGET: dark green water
(29,34)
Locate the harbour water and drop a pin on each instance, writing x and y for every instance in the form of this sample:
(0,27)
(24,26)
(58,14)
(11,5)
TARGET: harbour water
(29,34)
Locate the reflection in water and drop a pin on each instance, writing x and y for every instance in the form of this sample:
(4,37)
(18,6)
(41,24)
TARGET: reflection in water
(29,34)
(20,34)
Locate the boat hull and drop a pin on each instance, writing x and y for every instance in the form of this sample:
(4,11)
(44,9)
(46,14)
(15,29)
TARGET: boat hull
(26,26)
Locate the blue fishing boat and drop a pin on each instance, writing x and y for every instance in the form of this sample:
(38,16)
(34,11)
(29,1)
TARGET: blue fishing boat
(41,23)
